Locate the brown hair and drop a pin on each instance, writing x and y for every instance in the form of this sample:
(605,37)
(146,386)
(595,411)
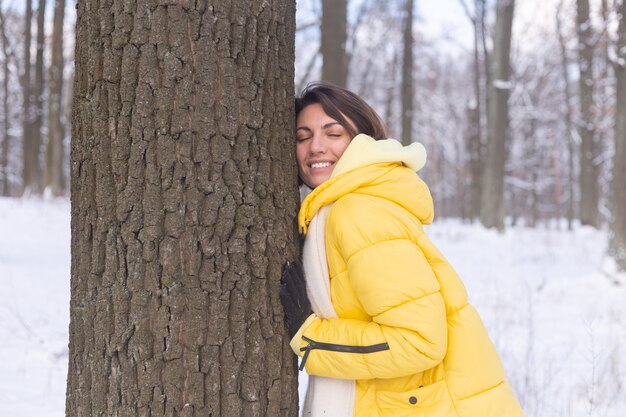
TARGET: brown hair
(341,105)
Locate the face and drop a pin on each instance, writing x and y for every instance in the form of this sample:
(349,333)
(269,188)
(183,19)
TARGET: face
(320,142)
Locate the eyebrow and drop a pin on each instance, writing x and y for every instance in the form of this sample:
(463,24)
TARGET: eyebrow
(326,126)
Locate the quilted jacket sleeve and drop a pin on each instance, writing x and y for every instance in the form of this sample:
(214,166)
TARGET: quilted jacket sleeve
(395,285)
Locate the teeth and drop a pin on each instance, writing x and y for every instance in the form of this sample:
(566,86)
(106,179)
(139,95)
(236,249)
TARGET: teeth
(320,165)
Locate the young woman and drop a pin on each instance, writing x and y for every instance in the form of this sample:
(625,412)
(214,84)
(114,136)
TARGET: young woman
(380,318)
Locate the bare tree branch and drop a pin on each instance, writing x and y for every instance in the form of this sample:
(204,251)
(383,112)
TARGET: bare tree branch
(308,25)
(468,13)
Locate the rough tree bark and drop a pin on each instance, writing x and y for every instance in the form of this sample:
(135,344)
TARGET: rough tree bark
(492,195)
(184,198)
(618,221)
(333,42)
(588,175)
(53,178)
(407,74)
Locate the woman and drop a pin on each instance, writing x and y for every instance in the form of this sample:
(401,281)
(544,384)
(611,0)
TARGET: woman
(390,332)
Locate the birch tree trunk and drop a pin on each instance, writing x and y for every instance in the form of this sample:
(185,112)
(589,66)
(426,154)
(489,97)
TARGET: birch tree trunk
(492,192)
(184,199)
(333,46)
(588,175)
(618,223)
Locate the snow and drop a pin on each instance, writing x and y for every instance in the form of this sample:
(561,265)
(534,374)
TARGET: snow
(34,306)
(550,302)
(503,84)
(558,321)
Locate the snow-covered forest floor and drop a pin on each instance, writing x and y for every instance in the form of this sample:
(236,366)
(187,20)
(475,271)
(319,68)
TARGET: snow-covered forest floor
(545,294)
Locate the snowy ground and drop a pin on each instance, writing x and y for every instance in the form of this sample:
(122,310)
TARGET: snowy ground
(34,306)
(558,320)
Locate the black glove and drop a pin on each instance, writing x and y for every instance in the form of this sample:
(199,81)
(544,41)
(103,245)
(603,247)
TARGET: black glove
(293,296)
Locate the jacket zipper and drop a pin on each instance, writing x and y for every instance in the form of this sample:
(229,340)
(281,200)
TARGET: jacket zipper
(338,348)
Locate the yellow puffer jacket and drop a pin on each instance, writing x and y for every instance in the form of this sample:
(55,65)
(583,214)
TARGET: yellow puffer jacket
(405,331)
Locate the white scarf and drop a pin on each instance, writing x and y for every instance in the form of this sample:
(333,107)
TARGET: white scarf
(325,397)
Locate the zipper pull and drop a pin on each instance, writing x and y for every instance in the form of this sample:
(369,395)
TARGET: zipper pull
(307,349)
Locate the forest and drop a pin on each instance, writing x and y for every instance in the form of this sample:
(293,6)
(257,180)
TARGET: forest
(519,111)
(147,159)
(518,108)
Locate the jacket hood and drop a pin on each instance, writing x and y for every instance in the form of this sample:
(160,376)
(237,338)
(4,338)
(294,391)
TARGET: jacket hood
(380,168)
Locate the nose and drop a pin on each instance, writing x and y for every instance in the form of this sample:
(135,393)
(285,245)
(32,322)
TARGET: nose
(318,145)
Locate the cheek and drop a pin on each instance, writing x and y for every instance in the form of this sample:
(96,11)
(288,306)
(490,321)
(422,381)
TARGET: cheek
(341,147)
(300,154)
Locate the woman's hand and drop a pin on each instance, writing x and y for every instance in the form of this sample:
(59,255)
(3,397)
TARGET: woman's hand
(293,296)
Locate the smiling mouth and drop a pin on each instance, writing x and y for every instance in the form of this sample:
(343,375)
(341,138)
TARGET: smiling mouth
(321,164)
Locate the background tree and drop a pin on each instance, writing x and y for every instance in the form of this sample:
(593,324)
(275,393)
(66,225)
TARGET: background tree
(455,137)
(492,196)
(535,163)
(30,164)
(604,109)
(183,209)
(38,99)
(588,176)
(569,126)
(376,60)
(53,178)
(618,222)
(474,112)
(6,122)
(333,41)
(407,75)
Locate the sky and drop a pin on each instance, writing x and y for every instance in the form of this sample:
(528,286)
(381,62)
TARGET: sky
(447,19)
(444,19)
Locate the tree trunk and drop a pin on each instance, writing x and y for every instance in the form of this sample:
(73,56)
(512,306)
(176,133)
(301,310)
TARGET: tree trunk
(588,176)
(333,45)
(407,75)
(38,99)
(390,95)
(530,155)
(492,196)
(184,202)
(481,14)
(617,246)
(6,122)
(477,140)
(53,179)
(29,151)
(568,119)
(473,148)
(474,115)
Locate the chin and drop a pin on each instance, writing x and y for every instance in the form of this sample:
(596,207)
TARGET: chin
(318,182)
